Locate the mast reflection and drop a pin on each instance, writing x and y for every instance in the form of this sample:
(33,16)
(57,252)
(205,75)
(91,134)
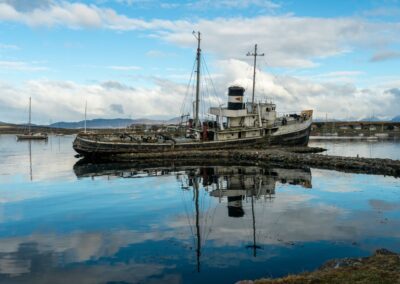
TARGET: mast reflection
(231,185)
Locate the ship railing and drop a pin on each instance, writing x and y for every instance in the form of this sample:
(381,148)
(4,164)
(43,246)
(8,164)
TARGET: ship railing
(305,114)
(292,118)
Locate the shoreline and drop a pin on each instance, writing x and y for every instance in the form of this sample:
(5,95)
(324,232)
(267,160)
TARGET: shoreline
(285,156)
(381,267)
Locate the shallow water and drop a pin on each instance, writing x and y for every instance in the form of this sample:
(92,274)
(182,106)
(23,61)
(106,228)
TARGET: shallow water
(64,221)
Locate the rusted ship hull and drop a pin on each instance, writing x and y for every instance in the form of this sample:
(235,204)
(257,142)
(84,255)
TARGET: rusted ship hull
(297,138)
(89,145)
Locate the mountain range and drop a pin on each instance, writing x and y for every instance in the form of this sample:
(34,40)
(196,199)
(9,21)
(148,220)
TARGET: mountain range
(125,122)
(369,119)
(396,119)
(112,123)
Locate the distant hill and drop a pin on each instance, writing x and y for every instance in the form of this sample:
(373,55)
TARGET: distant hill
(374,118)
(396,119)
(324,120)
(6,124)
(111,123)
(371,119)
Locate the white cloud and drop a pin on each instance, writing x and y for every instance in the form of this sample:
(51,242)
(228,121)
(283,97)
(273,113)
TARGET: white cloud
(340,74)
(385,55)
(234,4)
(8,12)
(21,66)
(117,108)
(288,41)
(74,15)
(346,76)
(8,46)
(23,5)
(383,12)
(64,100)
(291,93)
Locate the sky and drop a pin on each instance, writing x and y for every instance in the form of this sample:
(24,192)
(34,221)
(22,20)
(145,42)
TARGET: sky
(134,58)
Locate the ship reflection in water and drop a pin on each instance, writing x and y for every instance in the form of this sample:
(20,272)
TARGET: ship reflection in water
(233,184)
(185,222)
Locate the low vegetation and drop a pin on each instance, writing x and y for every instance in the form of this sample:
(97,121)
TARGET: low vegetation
(382,267)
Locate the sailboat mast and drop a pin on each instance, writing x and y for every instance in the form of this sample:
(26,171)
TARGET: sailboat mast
(30,160)
(254,227)
(198,59)
(85,114)
(255,54)
(29,119)
(254,246)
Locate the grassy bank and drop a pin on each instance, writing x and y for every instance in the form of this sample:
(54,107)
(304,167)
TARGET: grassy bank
(382,267)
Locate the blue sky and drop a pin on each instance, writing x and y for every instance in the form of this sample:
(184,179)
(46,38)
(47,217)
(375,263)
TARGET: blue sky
(339,58)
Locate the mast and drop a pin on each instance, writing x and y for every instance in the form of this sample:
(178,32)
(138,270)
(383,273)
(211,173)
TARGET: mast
(254,246)
(85,114)
(196,196)
(30,160)
(255,54)
(29,119)
(198,59)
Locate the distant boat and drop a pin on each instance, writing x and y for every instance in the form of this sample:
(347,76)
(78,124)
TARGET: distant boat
(381,135)
(30,135)
(372,138)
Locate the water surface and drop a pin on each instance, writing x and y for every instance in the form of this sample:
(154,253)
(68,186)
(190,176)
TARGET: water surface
(385,149)
(66,221)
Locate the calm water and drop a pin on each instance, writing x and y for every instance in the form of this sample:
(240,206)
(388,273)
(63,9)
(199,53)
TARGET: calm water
(68,222)
(370,149)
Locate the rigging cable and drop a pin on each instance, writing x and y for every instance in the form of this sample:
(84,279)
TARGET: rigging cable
(212,83)
(183,106)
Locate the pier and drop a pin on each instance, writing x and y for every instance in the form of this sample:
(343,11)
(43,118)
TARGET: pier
(356,128)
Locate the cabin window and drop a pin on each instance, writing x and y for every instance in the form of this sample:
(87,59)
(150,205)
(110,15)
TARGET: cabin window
(267,109)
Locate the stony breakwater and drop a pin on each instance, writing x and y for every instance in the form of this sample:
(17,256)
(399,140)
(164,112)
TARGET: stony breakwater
(291,157)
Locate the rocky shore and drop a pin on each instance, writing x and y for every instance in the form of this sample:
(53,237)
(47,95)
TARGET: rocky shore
(382,267)
(289,157)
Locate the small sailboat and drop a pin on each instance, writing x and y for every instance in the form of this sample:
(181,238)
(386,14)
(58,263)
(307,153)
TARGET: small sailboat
(31,135)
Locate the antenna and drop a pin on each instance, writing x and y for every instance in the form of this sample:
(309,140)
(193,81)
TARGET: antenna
(255,54)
